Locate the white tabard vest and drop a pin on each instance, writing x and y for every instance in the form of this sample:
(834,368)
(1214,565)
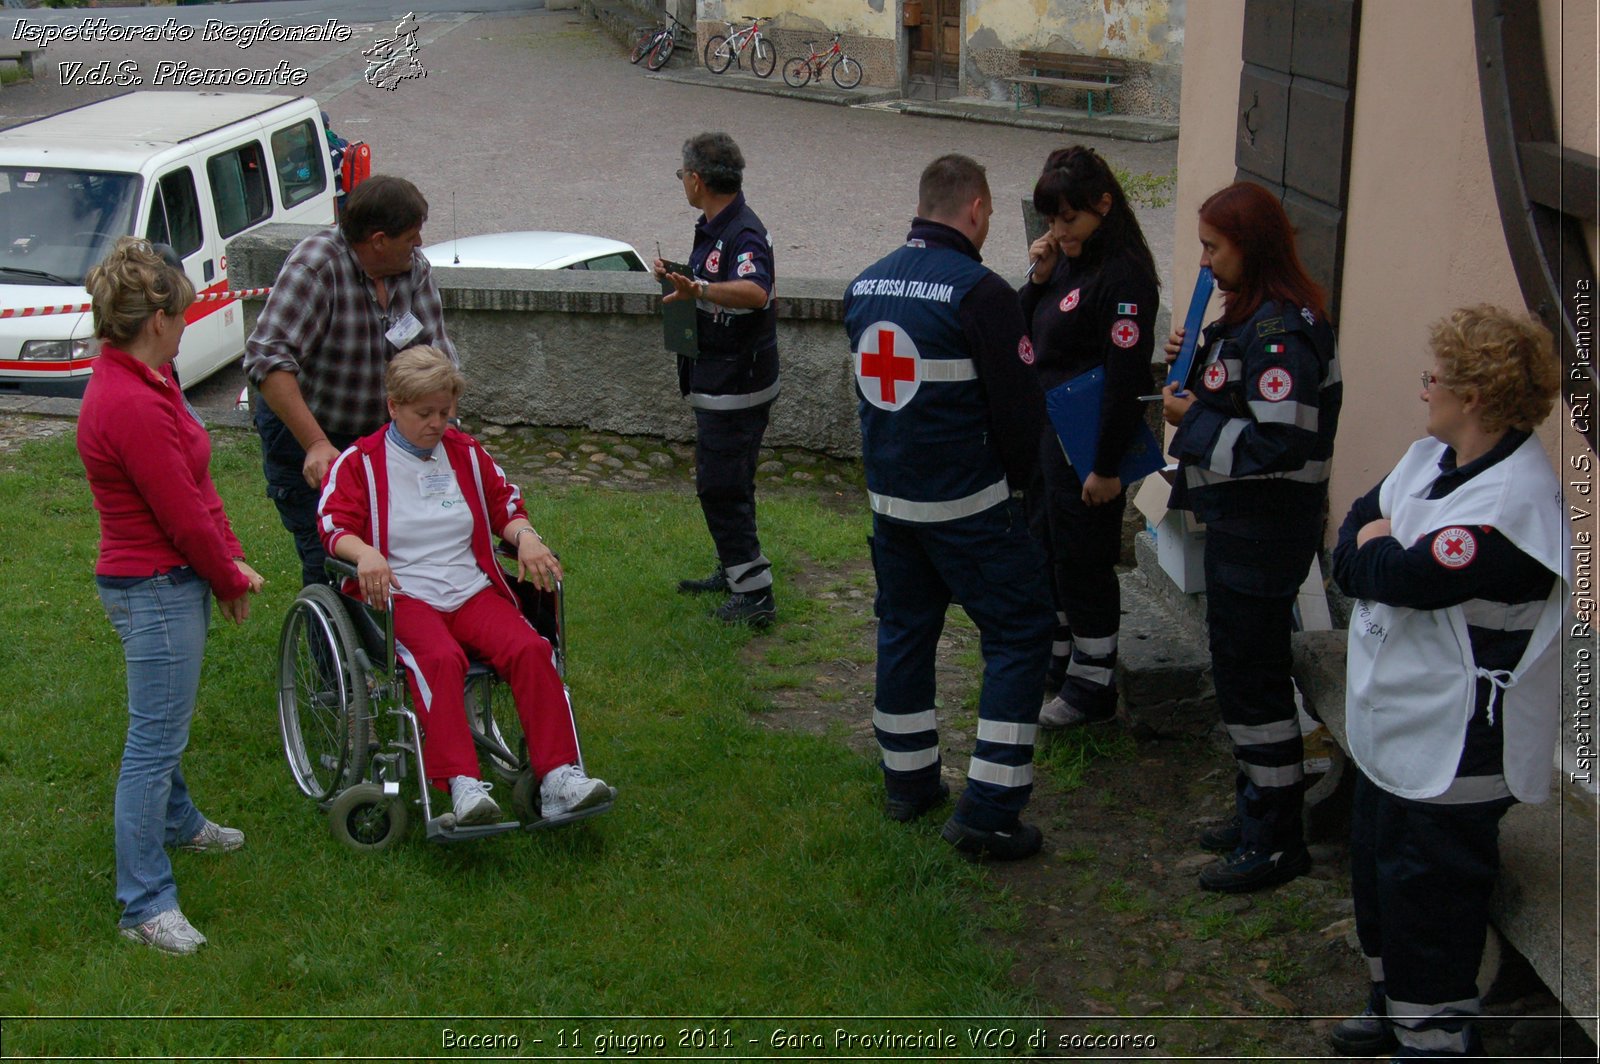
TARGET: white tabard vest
(1410,677)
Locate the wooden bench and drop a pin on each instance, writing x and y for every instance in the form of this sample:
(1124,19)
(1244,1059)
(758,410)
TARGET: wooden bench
(1059,70)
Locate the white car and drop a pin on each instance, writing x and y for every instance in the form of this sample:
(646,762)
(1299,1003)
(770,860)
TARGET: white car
(535,250)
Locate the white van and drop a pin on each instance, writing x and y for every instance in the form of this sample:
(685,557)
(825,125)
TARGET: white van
(189,169)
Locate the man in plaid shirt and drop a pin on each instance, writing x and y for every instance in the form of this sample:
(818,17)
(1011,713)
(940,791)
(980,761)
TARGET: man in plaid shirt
(347,300)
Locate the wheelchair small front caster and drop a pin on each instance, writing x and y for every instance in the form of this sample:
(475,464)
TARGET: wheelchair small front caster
(364,818)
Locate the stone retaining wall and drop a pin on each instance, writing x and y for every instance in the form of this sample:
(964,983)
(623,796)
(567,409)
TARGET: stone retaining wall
(563,347)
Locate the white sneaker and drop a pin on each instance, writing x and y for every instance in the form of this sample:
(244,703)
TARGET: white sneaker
(214,838)
(567,790)
(169,932)
(472,802)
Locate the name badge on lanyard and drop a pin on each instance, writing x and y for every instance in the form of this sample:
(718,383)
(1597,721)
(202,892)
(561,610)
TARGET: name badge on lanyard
(403,331)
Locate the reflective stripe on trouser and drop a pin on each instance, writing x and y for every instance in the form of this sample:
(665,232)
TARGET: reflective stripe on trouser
(1083,544)
(727,445)
(1421,874)
(991,566)
(749,576)
(1250,591)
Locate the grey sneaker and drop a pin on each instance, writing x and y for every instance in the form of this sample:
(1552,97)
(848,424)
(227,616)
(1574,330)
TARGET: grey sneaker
(472,803)
(1059,713)
(214,838)
(567,790)
(169,932)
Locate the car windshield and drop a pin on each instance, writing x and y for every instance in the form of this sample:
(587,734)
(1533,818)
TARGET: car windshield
(55,224)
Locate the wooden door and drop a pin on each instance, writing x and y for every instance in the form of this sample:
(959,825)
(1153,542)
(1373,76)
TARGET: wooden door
(935,51)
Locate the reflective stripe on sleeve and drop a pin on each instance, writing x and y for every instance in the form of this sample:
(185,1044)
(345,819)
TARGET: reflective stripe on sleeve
(1278,731)
(1273,775)
(1299,415)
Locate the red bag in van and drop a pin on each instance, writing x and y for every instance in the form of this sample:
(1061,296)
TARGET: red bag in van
(356,166)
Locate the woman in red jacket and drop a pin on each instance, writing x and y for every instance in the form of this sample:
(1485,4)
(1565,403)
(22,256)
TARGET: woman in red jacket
(165,549)
(416,507)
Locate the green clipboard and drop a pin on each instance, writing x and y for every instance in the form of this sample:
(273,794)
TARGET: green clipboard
(680,328)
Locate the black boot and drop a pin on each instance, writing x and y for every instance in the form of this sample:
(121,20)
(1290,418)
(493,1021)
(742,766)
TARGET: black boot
(717,581)
(755,608)
(1367,1034)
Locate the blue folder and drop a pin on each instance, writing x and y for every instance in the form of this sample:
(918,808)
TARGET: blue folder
(1183,365)
(1074,409)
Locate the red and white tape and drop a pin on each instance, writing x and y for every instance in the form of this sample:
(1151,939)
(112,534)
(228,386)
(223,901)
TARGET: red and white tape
(83,308)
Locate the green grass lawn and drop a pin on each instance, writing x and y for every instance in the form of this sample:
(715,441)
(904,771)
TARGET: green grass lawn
(743,872)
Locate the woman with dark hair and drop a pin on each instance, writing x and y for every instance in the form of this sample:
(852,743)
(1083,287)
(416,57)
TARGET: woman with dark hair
(1090,304)
(1254,444)
(1459,561)
(166,549)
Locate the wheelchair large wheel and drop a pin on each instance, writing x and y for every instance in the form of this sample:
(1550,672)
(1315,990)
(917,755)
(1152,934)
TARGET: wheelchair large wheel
(364,818)
(322,694)
(492,714)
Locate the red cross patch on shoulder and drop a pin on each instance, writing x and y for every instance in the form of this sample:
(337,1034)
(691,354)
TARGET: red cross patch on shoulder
(1215,376)
(1275,384)
(1069,300)
(1025,350)
(746,269)
(1454,548)
(713,260)
(1124,332)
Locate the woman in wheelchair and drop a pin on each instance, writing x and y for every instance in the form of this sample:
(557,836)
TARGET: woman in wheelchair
(415,507)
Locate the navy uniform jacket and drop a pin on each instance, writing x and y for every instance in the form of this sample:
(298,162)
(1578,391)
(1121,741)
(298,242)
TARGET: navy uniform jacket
(738,347)
(1097,311)
(954,414)
(1255,448)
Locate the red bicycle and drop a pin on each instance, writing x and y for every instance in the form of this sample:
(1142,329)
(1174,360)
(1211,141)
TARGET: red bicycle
(802,69)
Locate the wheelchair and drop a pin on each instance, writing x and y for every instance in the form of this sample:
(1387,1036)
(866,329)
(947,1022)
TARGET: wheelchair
(339,678)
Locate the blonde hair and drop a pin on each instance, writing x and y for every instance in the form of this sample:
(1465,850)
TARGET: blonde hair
(422,370)
(1506,360)
(129,285)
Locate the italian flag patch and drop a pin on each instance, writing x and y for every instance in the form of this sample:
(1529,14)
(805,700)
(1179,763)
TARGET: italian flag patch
(1127,308)
(1275,349)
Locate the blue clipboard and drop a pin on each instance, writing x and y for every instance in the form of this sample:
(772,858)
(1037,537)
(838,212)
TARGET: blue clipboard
(1074,409)
(1183,365)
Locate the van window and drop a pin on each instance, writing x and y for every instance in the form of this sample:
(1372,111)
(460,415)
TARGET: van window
(298,156)
(239,188)
(617,262)
(55,224)
(175,213)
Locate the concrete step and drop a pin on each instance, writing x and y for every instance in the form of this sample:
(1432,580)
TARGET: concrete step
(1163,662)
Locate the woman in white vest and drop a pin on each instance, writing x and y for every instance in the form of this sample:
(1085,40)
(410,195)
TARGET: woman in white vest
(1458,560)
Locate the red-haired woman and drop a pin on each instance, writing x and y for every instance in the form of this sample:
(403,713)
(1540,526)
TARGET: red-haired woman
(1254,440)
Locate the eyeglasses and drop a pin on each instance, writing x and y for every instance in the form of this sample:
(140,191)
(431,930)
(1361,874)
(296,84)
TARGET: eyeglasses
(682,172)
(1428,380)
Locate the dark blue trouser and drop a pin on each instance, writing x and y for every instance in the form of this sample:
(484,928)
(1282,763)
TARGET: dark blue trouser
(991,566)
(1251,582)
(283,459)
(1083,544)
(1421,874)
(727,448)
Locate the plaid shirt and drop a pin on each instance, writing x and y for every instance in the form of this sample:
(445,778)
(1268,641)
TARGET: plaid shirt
(322,323)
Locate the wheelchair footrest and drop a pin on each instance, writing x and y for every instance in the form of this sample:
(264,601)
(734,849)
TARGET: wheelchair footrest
(544,823)
(444,829)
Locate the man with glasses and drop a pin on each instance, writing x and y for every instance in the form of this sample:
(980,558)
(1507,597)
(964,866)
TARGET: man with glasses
(734,377)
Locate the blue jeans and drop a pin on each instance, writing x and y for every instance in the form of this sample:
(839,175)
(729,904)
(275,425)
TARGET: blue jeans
(162,622)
